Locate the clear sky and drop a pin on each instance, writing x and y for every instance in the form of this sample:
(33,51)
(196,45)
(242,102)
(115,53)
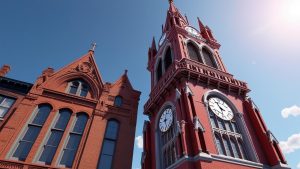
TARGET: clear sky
(260,45)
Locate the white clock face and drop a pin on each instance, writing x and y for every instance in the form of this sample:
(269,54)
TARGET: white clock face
(192,31)
(166,120)
(220,108)
(162,39)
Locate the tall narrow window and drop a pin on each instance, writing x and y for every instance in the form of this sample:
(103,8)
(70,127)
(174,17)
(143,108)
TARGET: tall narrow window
(33,130)
(74,139)
(56,134)
(167,137)
(118,101)
(5,105)
(109,145)
(208,58)
(78,87)
(158,71)
(194,52)
(168,58)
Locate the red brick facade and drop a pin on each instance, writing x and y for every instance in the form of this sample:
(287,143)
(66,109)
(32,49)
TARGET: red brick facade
(194,136)
(95,100)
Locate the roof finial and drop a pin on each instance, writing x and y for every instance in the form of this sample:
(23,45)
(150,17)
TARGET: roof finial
(93,46)
(171,1)
(125,72)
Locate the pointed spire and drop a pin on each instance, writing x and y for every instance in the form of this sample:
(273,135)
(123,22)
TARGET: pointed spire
(93,47)
(201,25)
(153,44)
(172,7)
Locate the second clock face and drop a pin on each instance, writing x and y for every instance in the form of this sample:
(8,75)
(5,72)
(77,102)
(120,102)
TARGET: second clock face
(220,108)
(166,120)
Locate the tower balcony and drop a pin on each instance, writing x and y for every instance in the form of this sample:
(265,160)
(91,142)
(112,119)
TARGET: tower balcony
(196,72)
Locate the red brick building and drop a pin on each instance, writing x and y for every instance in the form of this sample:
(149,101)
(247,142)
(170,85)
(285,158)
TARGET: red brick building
(200,116)
(68,118)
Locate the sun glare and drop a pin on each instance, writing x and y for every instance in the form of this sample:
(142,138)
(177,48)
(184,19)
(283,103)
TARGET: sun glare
(292,11)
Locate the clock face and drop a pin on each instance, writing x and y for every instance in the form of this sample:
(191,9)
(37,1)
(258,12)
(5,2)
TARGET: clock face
(220,108)
(162,39)
(166,120)
(192,31)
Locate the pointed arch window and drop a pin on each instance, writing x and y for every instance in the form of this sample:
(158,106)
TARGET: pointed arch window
(227,135)
(168,58)
(70,149)
(167,142)
(158,70)
(33,130)
(208,58)
(56,134)
(194,52)
(109,145)
(78,88)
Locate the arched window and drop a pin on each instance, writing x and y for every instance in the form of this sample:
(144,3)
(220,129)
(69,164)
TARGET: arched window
(118,101)
(194,52)
(226,131)
(78,88)
(56,134)
(33,130)
(167,137)
(70,149)
(158,71)
(109,144)
(168,58)
(208,58)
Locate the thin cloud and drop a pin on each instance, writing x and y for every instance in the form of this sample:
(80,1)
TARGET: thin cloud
(290,111)
(298,166)
(139,141)
(291,145)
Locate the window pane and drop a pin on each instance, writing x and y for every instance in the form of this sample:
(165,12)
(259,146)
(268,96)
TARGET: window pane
(108,147)
(64,116)
(31,133)
(83,92)
(73,141)
(55,138)
(243,153)
(22,150)
(193,52)
(3,111)
(48,154)
(42,114)
(234,127)
(219,145)
(67,158)
(234,148)
(80,123)
(7,102)
(73,89)
(112,130)
(208,58)
(105,162)
(118,101)
(159,71)
(220,123)
(213,122)
(227,124)
(168,58)
(227,147)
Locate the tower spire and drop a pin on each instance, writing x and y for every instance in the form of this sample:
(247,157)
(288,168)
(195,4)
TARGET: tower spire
(93,46)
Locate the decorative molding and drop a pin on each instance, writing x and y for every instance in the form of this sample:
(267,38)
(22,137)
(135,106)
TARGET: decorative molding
(197,124)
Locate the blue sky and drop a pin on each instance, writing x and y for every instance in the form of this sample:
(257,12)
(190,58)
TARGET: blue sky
(259,41)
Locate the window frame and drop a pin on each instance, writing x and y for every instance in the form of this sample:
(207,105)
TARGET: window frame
(4,97)
(105,138)
(79,89)
(70,131)
(48,135)
(24,131)
(248,147)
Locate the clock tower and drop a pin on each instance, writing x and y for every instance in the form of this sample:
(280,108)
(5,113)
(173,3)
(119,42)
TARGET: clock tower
(200,116)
